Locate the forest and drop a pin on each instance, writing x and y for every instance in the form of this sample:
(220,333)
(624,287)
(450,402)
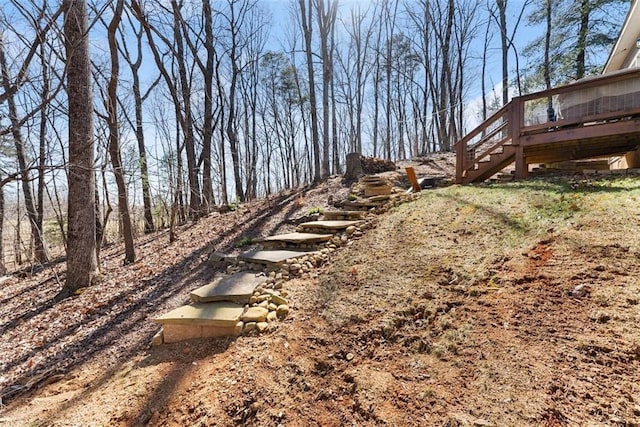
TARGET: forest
(119,118)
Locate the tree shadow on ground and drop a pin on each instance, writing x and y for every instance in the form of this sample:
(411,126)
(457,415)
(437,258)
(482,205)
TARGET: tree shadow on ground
(124,318)
(182,364)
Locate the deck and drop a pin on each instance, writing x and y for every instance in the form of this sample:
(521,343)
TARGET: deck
(594,117)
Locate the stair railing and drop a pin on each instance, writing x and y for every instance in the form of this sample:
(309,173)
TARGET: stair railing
(481,141)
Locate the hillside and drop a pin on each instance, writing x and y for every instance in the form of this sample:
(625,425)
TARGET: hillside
(504,304)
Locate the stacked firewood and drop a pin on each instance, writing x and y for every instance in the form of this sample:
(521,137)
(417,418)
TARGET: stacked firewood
(373,165)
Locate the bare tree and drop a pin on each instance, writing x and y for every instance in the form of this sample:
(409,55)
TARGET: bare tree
(32,212)
(139,98)
(326,16)
(81,236)
(179,90)
(114,134)
(306,21)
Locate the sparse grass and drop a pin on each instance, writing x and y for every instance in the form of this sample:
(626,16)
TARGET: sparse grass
(314,210)
(244,241)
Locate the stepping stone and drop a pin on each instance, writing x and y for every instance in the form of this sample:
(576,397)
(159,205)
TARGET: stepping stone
(329,225)
(369,179)
(210,320)
(380,198)
(297,238)
(377,190)
(223,313)
(271,258)
(362,204)
(332,215)
(175,333)
(237,288)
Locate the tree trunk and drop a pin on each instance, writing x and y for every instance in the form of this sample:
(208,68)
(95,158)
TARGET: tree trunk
(502,11)
(305,19)
(326,19)
(354,167)
(81,237)
(139,132)
(232,133)
(547,65)
(3,267)
(189,138)
(207,124)
(581,44)
(114,136)
(43,141)
(36,230)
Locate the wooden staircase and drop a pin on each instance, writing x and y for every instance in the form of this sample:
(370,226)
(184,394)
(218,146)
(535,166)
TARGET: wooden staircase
(595,117)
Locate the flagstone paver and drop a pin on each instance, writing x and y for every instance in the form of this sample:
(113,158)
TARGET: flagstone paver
(237,288)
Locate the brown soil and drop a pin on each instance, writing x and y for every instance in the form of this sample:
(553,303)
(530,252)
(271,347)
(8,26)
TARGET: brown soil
(429,319)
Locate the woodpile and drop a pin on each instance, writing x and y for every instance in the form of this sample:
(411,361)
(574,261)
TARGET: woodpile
(373,165)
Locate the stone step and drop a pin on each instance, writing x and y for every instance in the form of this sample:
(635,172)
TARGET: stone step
(345,215)
(380,198)
(208,320)
(373,179)
(236,288)
(300,240)
(377,190)
(328,226)
(271,258)
(361,204)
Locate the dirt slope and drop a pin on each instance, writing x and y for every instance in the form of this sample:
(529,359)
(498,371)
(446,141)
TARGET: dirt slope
(510,304)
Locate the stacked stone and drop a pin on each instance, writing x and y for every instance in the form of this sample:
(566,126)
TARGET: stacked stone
(376,186)
(268,305)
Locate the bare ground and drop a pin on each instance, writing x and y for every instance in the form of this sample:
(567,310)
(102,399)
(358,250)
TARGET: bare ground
(511,304)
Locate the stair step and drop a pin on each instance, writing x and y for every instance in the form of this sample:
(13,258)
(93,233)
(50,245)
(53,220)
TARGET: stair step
(361,204)
(271,258)
(222,314)
(377,190)
(333,215)
(172,333)
(328,226)
(373,179)
(297,237)
(236,288)
(380,198)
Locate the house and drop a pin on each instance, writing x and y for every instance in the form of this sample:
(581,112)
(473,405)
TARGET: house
(626,54)
(626,51)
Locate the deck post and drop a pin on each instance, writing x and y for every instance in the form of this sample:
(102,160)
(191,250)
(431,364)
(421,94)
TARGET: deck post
(516,117)
(461,157)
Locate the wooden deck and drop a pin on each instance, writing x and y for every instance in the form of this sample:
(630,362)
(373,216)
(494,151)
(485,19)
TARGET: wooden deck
(596,117)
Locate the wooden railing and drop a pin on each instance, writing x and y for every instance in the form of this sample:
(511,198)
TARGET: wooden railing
(594,100)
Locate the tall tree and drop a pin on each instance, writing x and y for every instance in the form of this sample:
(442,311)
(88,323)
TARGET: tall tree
(81,236)
(306,21)
(326,16)
(577,34)
(32,211)
(114,134)
(135,63)
(179,90)
(507,41)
